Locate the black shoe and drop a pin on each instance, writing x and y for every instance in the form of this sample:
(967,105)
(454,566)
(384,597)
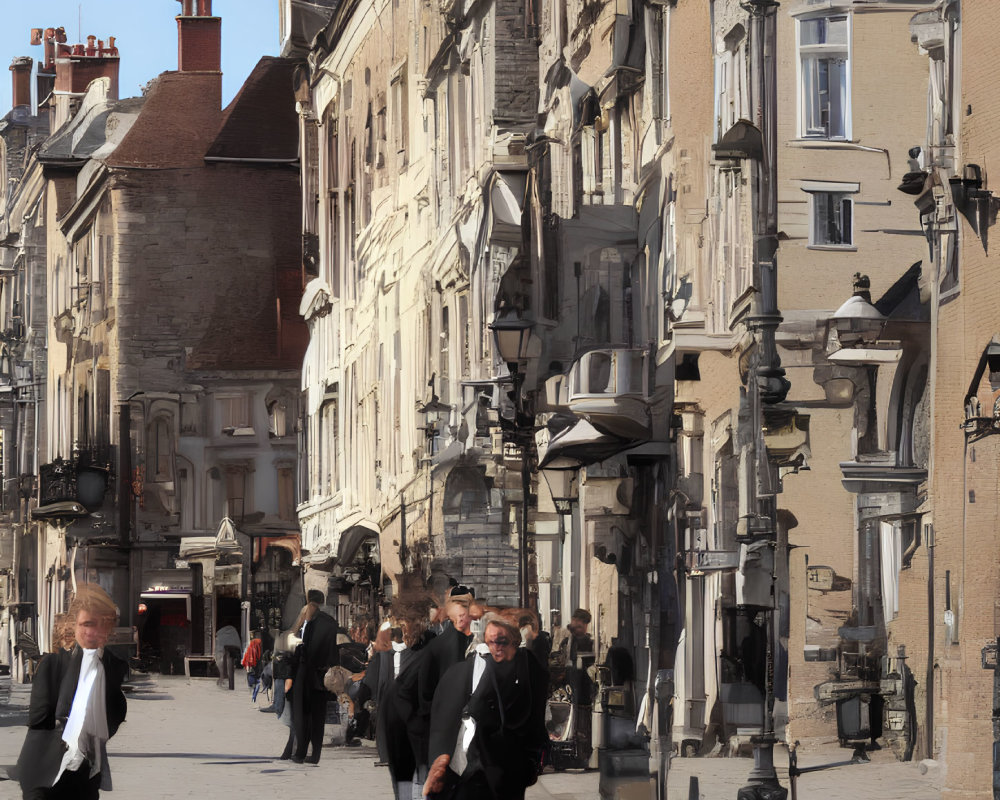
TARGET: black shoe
(266,709)
(297,759)
(312,759)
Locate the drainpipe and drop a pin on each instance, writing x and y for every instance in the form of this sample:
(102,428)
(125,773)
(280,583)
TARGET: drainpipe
(767,383)
(929,719)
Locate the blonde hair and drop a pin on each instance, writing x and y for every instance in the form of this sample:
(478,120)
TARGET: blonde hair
(63,631)
(91,597)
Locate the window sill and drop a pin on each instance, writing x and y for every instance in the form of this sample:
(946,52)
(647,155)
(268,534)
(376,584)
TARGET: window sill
(836,248)
(829,144)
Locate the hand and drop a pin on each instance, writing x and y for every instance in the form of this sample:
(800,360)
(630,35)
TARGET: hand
(435,775)
(288,684)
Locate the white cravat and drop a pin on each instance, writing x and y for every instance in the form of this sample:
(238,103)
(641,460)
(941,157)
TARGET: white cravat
(467,730)
(87,727)
(397,652)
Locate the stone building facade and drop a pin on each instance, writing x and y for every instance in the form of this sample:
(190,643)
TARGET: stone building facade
(174,346)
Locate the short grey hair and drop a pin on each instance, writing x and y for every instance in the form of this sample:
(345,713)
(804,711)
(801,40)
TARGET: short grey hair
(511,629)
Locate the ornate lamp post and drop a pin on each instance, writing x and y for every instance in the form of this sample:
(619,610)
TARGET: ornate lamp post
(512,337)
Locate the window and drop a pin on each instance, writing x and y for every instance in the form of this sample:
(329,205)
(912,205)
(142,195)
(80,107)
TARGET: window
(286,492)
(234,412)
(832,219)
(825,77)
(238,499)
(831,213)
(327,452)
(732,94)
(160,457)
(278,417)
(400,115)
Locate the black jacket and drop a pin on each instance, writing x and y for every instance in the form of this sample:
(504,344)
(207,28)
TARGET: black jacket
(52,691)
(319,651)
(509,708)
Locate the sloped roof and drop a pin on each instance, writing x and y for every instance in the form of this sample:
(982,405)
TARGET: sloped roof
(95,129)
(180,119)
(261,122)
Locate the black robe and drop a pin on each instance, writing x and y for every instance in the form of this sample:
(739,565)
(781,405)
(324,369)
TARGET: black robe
(52,690)
(509,708)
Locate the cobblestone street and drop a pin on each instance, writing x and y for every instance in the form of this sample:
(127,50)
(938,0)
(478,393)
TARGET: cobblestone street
(196,739)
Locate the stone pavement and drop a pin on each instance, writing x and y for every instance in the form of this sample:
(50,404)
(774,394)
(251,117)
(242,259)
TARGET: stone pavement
(195,739)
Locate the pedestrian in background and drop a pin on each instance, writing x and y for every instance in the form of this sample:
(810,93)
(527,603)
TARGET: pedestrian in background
(488,720)
(317,654)
(251,658)
(76,705)
(282,667)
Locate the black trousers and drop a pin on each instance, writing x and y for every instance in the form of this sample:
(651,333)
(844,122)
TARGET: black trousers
(466,787)
(308,721)
(72,785)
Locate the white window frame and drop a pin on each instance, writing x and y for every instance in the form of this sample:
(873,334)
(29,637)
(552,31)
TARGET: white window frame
(815,51)
(844,191)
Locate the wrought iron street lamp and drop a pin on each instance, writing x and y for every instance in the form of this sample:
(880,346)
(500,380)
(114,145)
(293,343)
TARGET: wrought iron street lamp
(512,336)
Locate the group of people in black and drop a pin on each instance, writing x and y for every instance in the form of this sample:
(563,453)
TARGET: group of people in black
(456,714)
(459,716)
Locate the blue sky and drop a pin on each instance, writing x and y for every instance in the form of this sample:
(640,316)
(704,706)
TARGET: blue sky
(145,33)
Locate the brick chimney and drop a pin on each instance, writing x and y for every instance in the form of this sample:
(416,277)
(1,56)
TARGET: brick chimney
(79,64)
(21,69)
(199,37)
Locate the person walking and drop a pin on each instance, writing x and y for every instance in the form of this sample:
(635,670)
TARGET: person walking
(444,651)
(487,726)
(309,697)
(395,682)
(76,705)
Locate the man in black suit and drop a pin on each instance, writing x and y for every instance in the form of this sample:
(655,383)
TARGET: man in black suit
(76,705)
(488,721)
(441,654)
(318,653)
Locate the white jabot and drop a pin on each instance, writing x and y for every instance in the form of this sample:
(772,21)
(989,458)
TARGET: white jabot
(87,727)
(467,730)
(397,651)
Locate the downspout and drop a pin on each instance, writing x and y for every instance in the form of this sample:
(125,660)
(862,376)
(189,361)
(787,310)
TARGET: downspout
(929,721)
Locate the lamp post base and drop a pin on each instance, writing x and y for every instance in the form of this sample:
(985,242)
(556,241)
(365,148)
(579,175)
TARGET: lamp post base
(763,778)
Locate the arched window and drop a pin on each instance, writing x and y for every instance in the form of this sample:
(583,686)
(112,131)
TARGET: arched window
(160,461)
